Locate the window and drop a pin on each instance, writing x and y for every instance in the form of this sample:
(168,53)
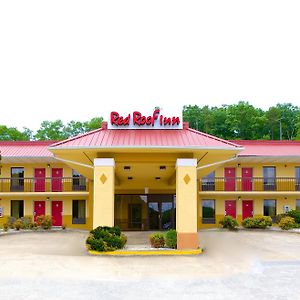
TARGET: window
(17,179)
(269,178)
(208,182)
(270,208)
(78,181)
(297,175)
(298,204)
(17,209)
(78,212)
(208,212)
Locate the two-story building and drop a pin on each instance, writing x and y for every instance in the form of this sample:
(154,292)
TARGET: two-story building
(148,179)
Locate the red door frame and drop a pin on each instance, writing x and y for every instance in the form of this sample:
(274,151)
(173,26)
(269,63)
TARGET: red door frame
(56,212)
(230,208)
(247,209)
(39,209)
(229,174)
(57,174)
(40,179)
(247,179)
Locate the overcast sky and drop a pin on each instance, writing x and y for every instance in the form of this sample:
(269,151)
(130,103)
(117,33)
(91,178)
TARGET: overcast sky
(80,59)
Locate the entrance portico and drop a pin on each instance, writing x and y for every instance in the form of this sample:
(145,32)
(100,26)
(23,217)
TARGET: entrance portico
(145,178)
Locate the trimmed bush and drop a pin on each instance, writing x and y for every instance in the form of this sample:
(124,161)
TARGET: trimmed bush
(5,227)
(171,238)
(257,222)
(26,221)
(10,222)
(18,224)
(295,214)
(157,240)
(229,223)
(287,223)
(279,217)
(105,239)
(44,222)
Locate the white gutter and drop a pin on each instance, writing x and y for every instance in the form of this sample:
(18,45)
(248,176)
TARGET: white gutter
(217,163)
(75,163)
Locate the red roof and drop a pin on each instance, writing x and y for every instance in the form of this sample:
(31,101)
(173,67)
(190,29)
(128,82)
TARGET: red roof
(179,138)
(25,148)
(269,148)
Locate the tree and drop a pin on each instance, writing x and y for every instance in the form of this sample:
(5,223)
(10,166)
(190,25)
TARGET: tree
(51,130)
(13,134)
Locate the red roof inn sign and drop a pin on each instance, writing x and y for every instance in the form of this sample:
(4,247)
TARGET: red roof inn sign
(153,120)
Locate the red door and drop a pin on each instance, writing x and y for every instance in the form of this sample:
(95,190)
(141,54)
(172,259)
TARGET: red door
(57,174)
(229,174)
(247,209)
(247,174)
(39,176)
(39,209)
(230,208)
(57,213)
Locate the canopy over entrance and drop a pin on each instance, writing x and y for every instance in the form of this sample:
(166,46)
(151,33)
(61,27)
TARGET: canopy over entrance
(145,155)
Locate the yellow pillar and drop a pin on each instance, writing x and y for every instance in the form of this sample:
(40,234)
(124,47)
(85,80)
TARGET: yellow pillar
(104,192)
(186,203)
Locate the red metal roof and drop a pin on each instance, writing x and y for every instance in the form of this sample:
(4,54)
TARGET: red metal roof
(180,138)
(269,148)
(25,148)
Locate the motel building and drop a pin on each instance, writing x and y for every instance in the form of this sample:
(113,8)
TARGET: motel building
(148,172)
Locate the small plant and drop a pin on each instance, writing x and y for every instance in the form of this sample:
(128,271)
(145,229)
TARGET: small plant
(279,217)
(171,239)
(44,222)
(63,227)
(157,240)
(33,226)
(229,223)
(106,239)
(257,222)
(5,227)
(295,214)
(287,223)
(10,222)
(26,221)
(18,224)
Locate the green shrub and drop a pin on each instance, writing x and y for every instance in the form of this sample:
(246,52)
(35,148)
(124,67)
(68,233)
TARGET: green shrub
(18,224)
(279,217)
(5,227)
(33,226)
(171,239)
(287,223)
(229,223)
(26,221)
(157,240)
(44,222)
(294,214)
(105,238)
(10,222)
(257,222)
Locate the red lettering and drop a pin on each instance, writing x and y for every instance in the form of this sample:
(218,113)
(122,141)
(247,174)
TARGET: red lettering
(167,121)
(114,116)
(115,119)
(175,121)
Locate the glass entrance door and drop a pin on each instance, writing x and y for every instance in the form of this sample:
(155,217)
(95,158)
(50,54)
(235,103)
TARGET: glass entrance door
(161,215)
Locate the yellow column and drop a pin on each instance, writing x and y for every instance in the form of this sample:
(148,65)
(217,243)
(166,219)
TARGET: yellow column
(104,192)
(186,203)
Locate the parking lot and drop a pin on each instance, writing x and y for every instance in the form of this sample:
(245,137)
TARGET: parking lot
(234,265)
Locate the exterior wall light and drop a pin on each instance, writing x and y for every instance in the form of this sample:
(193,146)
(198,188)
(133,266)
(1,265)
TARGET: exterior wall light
(162,168)
(157,178)
(127,168)
(129,178)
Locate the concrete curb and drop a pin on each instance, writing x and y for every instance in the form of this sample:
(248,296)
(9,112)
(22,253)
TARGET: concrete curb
(146,252)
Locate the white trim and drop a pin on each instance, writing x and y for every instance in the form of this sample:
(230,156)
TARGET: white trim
(216,163)
(75,163)
(186,162)
(104,162)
